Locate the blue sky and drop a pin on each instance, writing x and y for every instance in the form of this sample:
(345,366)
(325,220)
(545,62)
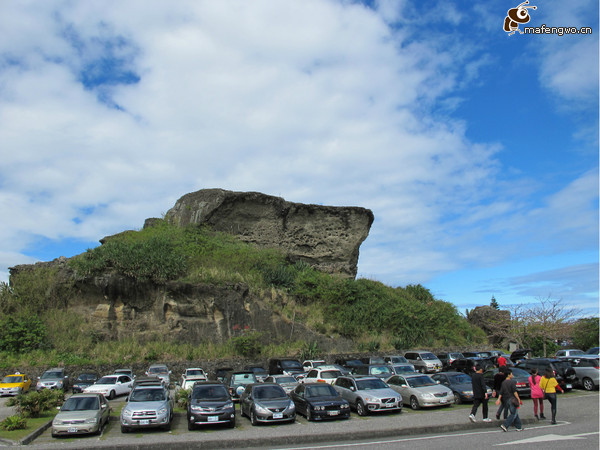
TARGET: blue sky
(477,151)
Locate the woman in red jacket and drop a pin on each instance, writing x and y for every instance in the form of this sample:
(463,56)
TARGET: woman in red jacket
(537,395)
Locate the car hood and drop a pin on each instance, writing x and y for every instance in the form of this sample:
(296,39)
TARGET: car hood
(210,403)
(274,403)
(380,393)
(325,400)
(77,415)
(462,386)
(100,387)
(11,385)
(143,406)
(432,390)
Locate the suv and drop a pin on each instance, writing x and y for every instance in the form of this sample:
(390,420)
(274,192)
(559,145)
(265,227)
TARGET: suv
(285,366)
(147,407)
(161,371)
(55,378)
(568,353)
(235,380)
(368,394)
(322,374)
(588,371)
(424,362)
(209,403)
(447,358)
(563,371)
(374,370)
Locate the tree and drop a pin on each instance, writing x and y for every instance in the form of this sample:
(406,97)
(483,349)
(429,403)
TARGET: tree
(549,319)
(585,333)
(494,304)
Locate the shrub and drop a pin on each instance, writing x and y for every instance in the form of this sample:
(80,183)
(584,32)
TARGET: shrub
(181,398)
(20,334)
(309,351)
(34,404)
(248,344)
(16,422)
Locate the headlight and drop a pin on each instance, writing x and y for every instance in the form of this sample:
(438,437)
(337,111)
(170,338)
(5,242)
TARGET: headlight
(370,399)
(467,392)
(344,405)
(162,411)
(427,395)
(228,405)
(260,409)
(127,413)
(196,408)
(57,422)
(90,420)
(292,406)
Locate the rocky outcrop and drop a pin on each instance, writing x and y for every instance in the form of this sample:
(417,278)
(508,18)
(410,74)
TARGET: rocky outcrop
(326,237)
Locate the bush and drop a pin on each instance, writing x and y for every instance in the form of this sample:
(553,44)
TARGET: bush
(33,404)
(21,334)
(16,422)
(181,398)
(248,344)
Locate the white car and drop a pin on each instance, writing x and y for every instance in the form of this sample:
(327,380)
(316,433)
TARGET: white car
(322,374)
(312,364)
(190,376)
(111,386)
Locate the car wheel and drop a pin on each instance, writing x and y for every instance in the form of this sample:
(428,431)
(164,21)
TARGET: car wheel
(253,419)
(112,395)
(360,408)
(167,427)
(414,403)
(232,423)
(588,384)
(191,426)
(457,398)
(124,429)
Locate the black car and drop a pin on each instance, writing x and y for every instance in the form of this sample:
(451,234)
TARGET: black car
(563,370)
(519,355)
(520,376)
(285,366)
(267,403)
(209,403)
(260,372)
(317,401)
(84,380)
(460,383)
(467,365)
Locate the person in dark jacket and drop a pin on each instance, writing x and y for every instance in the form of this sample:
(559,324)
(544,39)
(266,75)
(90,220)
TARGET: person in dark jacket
(510,397)
(480,396)
(498,379)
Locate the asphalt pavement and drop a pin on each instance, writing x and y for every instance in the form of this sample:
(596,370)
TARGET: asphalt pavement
(408,423)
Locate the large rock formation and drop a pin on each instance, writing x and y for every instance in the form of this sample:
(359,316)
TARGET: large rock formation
(326,237)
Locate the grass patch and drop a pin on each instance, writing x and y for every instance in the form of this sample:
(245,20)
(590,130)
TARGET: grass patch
(32,425)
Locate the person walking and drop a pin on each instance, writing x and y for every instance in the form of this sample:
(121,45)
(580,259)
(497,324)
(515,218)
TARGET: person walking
(480,396)
(501,361)
(537,395)
(510,397)
(549,385)
(498,380)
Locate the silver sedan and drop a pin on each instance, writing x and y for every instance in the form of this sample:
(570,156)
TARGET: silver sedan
(419,390)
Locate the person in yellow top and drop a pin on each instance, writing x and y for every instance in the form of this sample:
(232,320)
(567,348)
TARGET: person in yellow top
(549,385)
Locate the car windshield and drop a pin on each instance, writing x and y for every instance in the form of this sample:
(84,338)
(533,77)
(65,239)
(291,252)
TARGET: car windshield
(460,379)
(428,356)
(13,379)
(160,370)
(289,364)
(147,395)
(377,360)
(87,377)
(381,370)
(285,380)
(192,372)
(399,359)
(268,392)
(51,375)
(243,378)
(107,380)
(366,385)
(323,390)
(421,381)
(81,404)
(215,392)
(403,369)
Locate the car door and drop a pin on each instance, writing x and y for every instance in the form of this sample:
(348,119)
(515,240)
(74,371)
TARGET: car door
(123,385)
(398,383)
(299,399)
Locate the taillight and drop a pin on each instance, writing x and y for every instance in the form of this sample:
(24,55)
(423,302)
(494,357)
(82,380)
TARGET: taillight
(321,381)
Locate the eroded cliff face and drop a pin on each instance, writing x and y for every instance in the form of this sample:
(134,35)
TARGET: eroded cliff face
(326,237)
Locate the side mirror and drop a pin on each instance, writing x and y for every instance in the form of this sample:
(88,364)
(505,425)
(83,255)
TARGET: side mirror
(103,406)
(352,388)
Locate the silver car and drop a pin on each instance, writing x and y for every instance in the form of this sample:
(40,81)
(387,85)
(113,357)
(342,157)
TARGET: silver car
(55,378)
(146,407)
(419,390)
(287,382)
(81,414)
(368,394)
(587,369)
(161,371)
(267,403)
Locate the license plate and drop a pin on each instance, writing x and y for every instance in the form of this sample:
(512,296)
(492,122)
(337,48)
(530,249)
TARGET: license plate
(71,430)
(388,405)
(443,400)
(569,386)
(212,418)
(277,415)
(145,422)
(333,413)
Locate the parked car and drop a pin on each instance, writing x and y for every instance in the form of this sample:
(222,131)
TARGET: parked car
(84,380)
(209,403)
(424,362)
(191,376)
(477,354)
(285,366)
(563,371)
(111,386)
(460,384)
(287,382)
(398,369)
(81,414)
(317,401)
(236,382)
(267,403)
(312,364)
(349,364)
(593,351)
(147,407)
(467,365)
(373,360)
(587,370)
(221,372)
(567,353)
(322,374)
(260,372)
(395,359)
(342,369)
(519,355)
(15,384)
(375,370)
(419,391)
(447,357)
(520,376)
(128,372)
(368,394)
(146,381)
(55,378)
(161,371)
